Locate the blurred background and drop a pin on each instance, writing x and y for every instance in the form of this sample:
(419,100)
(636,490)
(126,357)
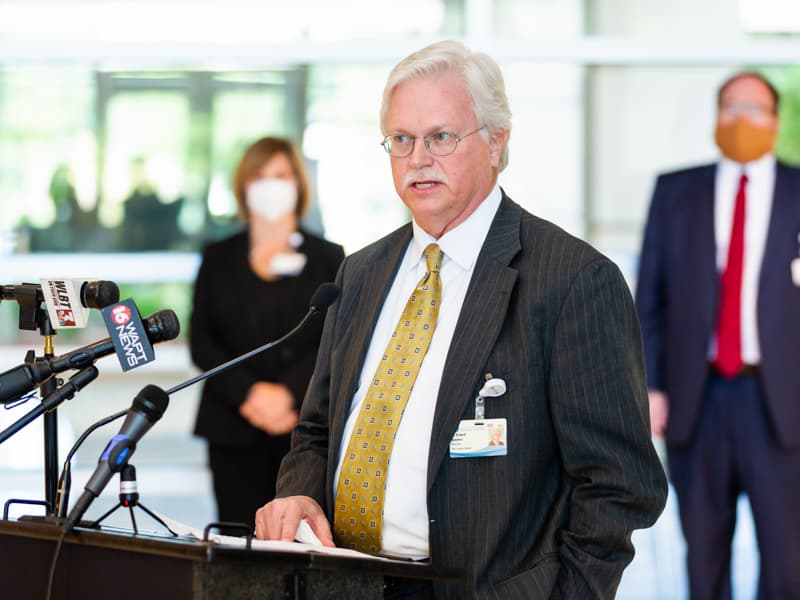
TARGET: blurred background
(136,113)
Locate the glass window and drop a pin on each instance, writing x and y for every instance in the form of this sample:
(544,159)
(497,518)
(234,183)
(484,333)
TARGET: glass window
(245,106)
(545,163)
(356,196)
(145,145)
(47,157)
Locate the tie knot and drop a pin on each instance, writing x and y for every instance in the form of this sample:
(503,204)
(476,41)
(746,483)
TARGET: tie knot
(433,258)
(743,180)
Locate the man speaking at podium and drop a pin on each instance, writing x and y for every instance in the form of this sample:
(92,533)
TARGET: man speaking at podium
(391,455)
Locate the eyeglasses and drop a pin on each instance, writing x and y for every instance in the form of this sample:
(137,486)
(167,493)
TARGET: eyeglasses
(747,109)
(440,143)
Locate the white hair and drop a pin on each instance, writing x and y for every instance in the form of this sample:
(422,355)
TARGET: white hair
(480,73)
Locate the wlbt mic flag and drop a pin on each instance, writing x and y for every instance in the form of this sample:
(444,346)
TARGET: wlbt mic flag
(128,335)
(68,300)
(63,300)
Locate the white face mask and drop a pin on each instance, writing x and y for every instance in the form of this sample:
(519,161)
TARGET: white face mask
(272,199)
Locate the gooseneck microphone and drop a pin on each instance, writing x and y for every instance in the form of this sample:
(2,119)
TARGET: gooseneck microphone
(147,408)
(152,401)
(76,383)
(325,295)
(161,326)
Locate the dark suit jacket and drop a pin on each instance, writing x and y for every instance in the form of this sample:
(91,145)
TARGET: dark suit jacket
(234,312)
(678,295)
(555,319)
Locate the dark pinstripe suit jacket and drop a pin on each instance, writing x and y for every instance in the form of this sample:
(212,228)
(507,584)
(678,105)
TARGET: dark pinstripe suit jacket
(555,319)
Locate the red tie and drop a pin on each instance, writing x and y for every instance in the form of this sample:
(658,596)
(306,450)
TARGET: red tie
(729,331)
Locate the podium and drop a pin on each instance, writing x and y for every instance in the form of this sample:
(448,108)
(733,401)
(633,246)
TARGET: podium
(100,564)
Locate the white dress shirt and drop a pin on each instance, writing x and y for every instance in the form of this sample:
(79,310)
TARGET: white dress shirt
(758,207)
(405,512)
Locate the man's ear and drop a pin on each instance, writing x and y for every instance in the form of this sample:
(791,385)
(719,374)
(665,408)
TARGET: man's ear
(497,141)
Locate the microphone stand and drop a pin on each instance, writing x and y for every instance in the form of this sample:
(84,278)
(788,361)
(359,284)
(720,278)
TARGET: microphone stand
(52,400)
(129,497)
(46,388)
(65,481)
(47,406)
(32,315)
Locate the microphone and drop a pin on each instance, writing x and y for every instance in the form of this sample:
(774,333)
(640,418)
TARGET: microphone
(161,326)
(99,294)
(68,300)
(148,407)
(323,297)
(92,294)
(128,489)
(96,294)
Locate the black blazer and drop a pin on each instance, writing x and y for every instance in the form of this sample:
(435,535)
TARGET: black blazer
(677,297)
(555,319)
(234,312)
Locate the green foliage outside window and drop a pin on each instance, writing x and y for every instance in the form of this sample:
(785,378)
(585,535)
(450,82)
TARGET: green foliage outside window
(787,81)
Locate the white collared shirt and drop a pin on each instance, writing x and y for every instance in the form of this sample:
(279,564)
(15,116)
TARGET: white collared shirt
(405,512)
(758,207)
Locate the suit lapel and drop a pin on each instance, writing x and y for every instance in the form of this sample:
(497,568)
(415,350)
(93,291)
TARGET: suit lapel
(486,304)
(374,287)
(782,233)
(701,258)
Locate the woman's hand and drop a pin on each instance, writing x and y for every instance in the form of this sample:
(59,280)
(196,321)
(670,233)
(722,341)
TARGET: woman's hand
(270,407)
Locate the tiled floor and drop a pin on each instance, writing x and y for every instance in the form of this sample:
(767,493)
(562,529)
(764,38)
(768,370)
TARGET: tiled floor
(172,480)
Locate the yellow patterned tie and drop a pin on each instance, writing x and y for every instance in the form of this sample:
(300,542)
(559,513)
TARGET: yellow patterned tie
(358,515)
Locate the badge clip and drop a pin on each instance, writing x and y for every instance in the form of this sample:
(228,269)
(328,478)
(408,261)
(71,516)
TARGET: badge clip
(795,265)
(491,389)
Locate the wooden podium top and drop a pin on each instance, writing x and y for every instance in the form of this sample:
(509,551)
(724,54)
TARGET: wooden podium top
(191,550)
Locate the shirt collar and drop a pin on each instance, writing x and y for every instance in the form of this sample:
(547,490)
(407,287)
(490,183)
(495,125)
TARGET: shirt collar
(463,243)
(756,168)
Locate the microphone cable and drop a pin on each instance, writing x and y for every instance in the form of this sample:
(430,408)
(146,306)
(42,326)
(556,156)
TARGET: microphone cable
(65,481)
(62,498)
(52,577)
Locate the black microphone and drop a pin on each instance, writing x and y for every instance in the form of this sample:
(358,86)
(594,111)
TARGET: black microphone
(93,294)
(99,294)
(323,297)
(161,326)
(148,407)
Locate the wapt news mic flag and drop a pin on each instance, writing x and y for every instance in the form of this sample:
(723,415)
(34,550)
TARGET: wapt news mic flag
(125,327)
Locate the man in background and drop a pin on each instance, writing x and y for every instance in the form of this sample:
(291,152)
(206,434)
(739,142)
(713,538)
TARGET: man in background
(719,303)
(474,288)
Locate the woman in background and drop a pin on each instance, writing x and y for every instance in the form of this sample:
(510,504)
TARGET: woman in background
(253,288)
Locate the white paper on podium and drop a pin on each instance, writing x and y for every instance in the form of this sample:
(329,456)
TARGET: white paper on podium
(307,541)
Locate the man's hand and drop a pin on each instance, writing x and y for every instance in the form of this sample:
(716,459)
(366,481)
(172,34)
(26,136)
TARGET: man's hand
(659,412)
(279,519)
(270,407)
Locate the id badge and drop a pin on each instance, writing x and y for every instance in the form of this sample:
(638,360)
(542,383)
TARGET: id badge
(486,437)
(796,271)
